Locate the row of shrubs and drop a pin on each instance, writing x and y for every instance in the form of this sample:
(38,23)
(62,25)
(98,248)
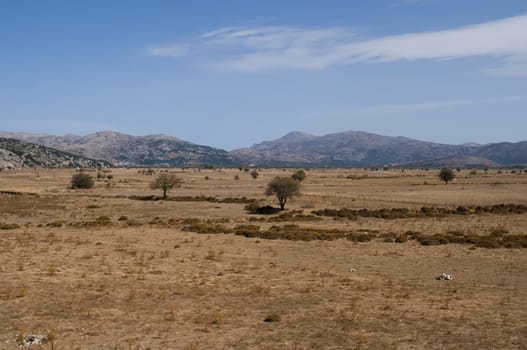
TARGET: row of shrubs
(498,238)
(288,232)
(290,215)
(242,200)
(403,213)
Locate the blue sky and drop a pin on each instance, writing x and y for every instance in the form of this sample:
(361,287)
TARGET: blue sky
(233,73)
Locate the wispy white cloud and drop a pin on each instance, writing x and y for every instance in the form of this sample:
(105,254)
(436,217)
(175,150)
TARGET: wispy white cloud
(172,50)
(409,108)
(269,48)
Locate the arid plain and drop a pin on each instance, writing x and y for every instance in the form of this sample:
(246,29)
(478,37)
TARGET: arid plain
(113,268)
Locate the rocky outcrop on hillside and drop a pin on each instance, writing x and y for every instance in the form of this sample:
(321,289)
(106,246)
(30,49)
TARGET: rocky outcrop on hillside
(20,154)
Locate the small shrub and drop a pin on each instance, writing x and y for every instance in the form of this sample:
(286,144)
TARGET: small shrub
(103,220)
(487,242)
(389,237)
(499,232)
(436,239)
(82,181)
(401,239)
(299,176)
(254,208)
(446,175)
(134,223)
(8,226)
(247,230)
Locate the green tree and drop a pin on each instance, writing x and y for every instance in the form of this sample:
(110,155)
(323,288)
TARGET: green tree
(299,176)
(446,175)
(165,182)
(82,180)
(283,188)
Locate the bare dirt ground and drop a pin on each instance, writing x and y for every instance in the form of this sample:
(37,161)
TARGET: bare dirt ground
(95,269)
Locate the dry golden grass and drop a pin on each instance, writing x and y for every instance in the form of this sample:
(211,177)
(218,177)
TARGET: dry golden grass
(93,269)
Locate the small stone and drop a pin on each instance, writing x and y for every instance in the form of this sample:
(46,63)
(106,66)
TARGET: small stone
(444,277)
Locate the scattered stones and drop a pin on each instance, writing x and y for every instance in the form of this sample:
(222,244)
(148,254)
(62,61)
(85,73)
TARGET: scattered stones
(444,277)
(33,339)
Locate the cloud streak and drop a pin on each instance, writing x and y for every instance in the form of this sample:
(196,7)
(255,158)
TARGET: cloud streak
(409,108)
(294,48)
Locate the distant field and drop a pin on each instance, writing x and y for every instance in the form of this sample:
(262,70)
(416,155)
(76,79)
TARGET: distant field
(349,265)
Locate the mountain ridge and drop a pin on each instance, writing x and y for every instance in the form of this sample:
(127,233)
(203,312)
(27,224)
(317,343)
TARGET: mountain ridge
(121,149)
(296,149)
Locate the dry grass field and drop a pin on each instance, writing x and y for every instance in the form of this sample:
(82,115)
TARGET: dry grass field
(106,268)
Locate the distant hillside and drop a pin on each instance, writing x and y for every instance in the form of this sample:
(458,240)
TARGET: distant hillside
(455,162)
(126,150)
(18,154)
(350,148)
(505,153)
(362,149)
(296,149)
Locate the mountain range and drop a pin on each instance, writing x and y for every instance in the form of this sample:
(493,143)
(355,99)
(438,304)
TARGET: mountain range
(296,149)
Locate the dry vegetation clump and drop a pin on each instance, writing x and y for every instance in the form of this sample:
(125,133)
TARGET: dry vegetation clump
(17,193)
(204,227)
(247,230)
(211,199)
(256,208)
(498,238)
(290,232)
(82,180)
(294,215)
(102,220)
(431,212)
(145,198)
(242,200)
(4,226)
(56,223)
